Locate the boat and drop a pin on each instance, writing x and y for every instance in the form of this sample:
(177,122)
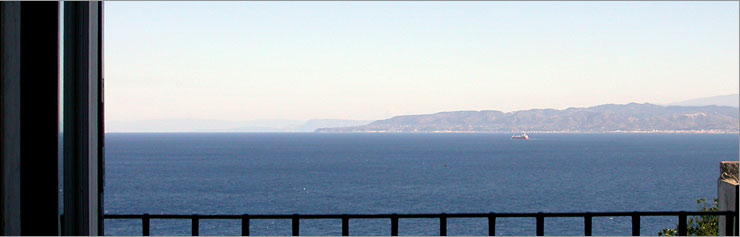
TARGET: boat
(520,137)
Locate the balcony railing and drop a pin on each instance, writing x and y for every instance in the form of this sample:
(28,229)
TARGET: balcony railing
(539,218)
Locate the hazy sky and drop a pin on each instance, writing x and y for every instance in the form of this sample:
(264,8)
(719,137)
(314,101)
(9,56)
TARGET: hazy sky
(373,60)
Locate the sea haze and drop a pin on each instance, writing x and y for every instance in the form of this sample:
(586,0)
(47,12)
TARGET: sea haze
(286,173)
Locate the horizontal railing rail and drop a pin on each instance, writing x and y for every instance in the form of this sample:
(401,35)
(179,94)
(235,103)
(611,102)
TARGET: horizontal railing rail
(539,218)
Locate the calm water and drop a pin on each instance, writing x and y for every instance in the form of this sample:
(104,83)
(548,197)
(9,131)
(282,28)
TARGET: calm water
(408,173)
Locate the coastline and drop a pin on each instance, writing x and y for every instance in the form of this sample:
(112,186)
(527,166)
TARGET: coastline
(559,132)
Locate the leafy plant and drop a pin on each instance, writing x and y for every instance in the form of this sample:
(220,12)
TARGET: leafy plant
(699,225)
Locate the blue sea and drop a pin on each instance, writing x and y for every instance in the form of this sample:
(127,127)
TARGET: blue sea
(286,173)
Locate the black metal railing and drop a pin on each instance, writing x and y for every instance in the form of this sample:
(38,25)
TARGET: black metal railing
(539,218)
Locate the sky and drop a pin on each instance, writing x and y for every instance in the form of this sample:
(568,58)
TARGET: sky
(242,61)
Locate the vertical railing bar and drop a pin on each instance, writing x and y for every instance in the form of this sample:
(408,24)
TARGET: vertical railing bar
(443,225)
(682,224)
(491,224)
(732,219)
(587,224)
(345,226)
(145,225)
(394,225)
(296,225)
(540,224)
(729,222)
(245,225)
(635,225)
(196,225)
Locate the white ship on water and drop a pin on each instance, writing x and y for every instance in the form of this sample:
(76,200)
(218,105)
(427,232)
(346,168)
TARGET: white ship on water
(523,136)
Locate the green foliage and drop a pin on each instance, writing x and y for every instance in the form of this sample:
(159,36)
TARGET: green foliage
(699,225)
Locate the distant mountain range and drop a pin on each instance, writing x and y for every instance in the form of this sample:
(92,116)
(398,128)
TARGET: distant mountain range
(710,114)
(723,100)
(631,117)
